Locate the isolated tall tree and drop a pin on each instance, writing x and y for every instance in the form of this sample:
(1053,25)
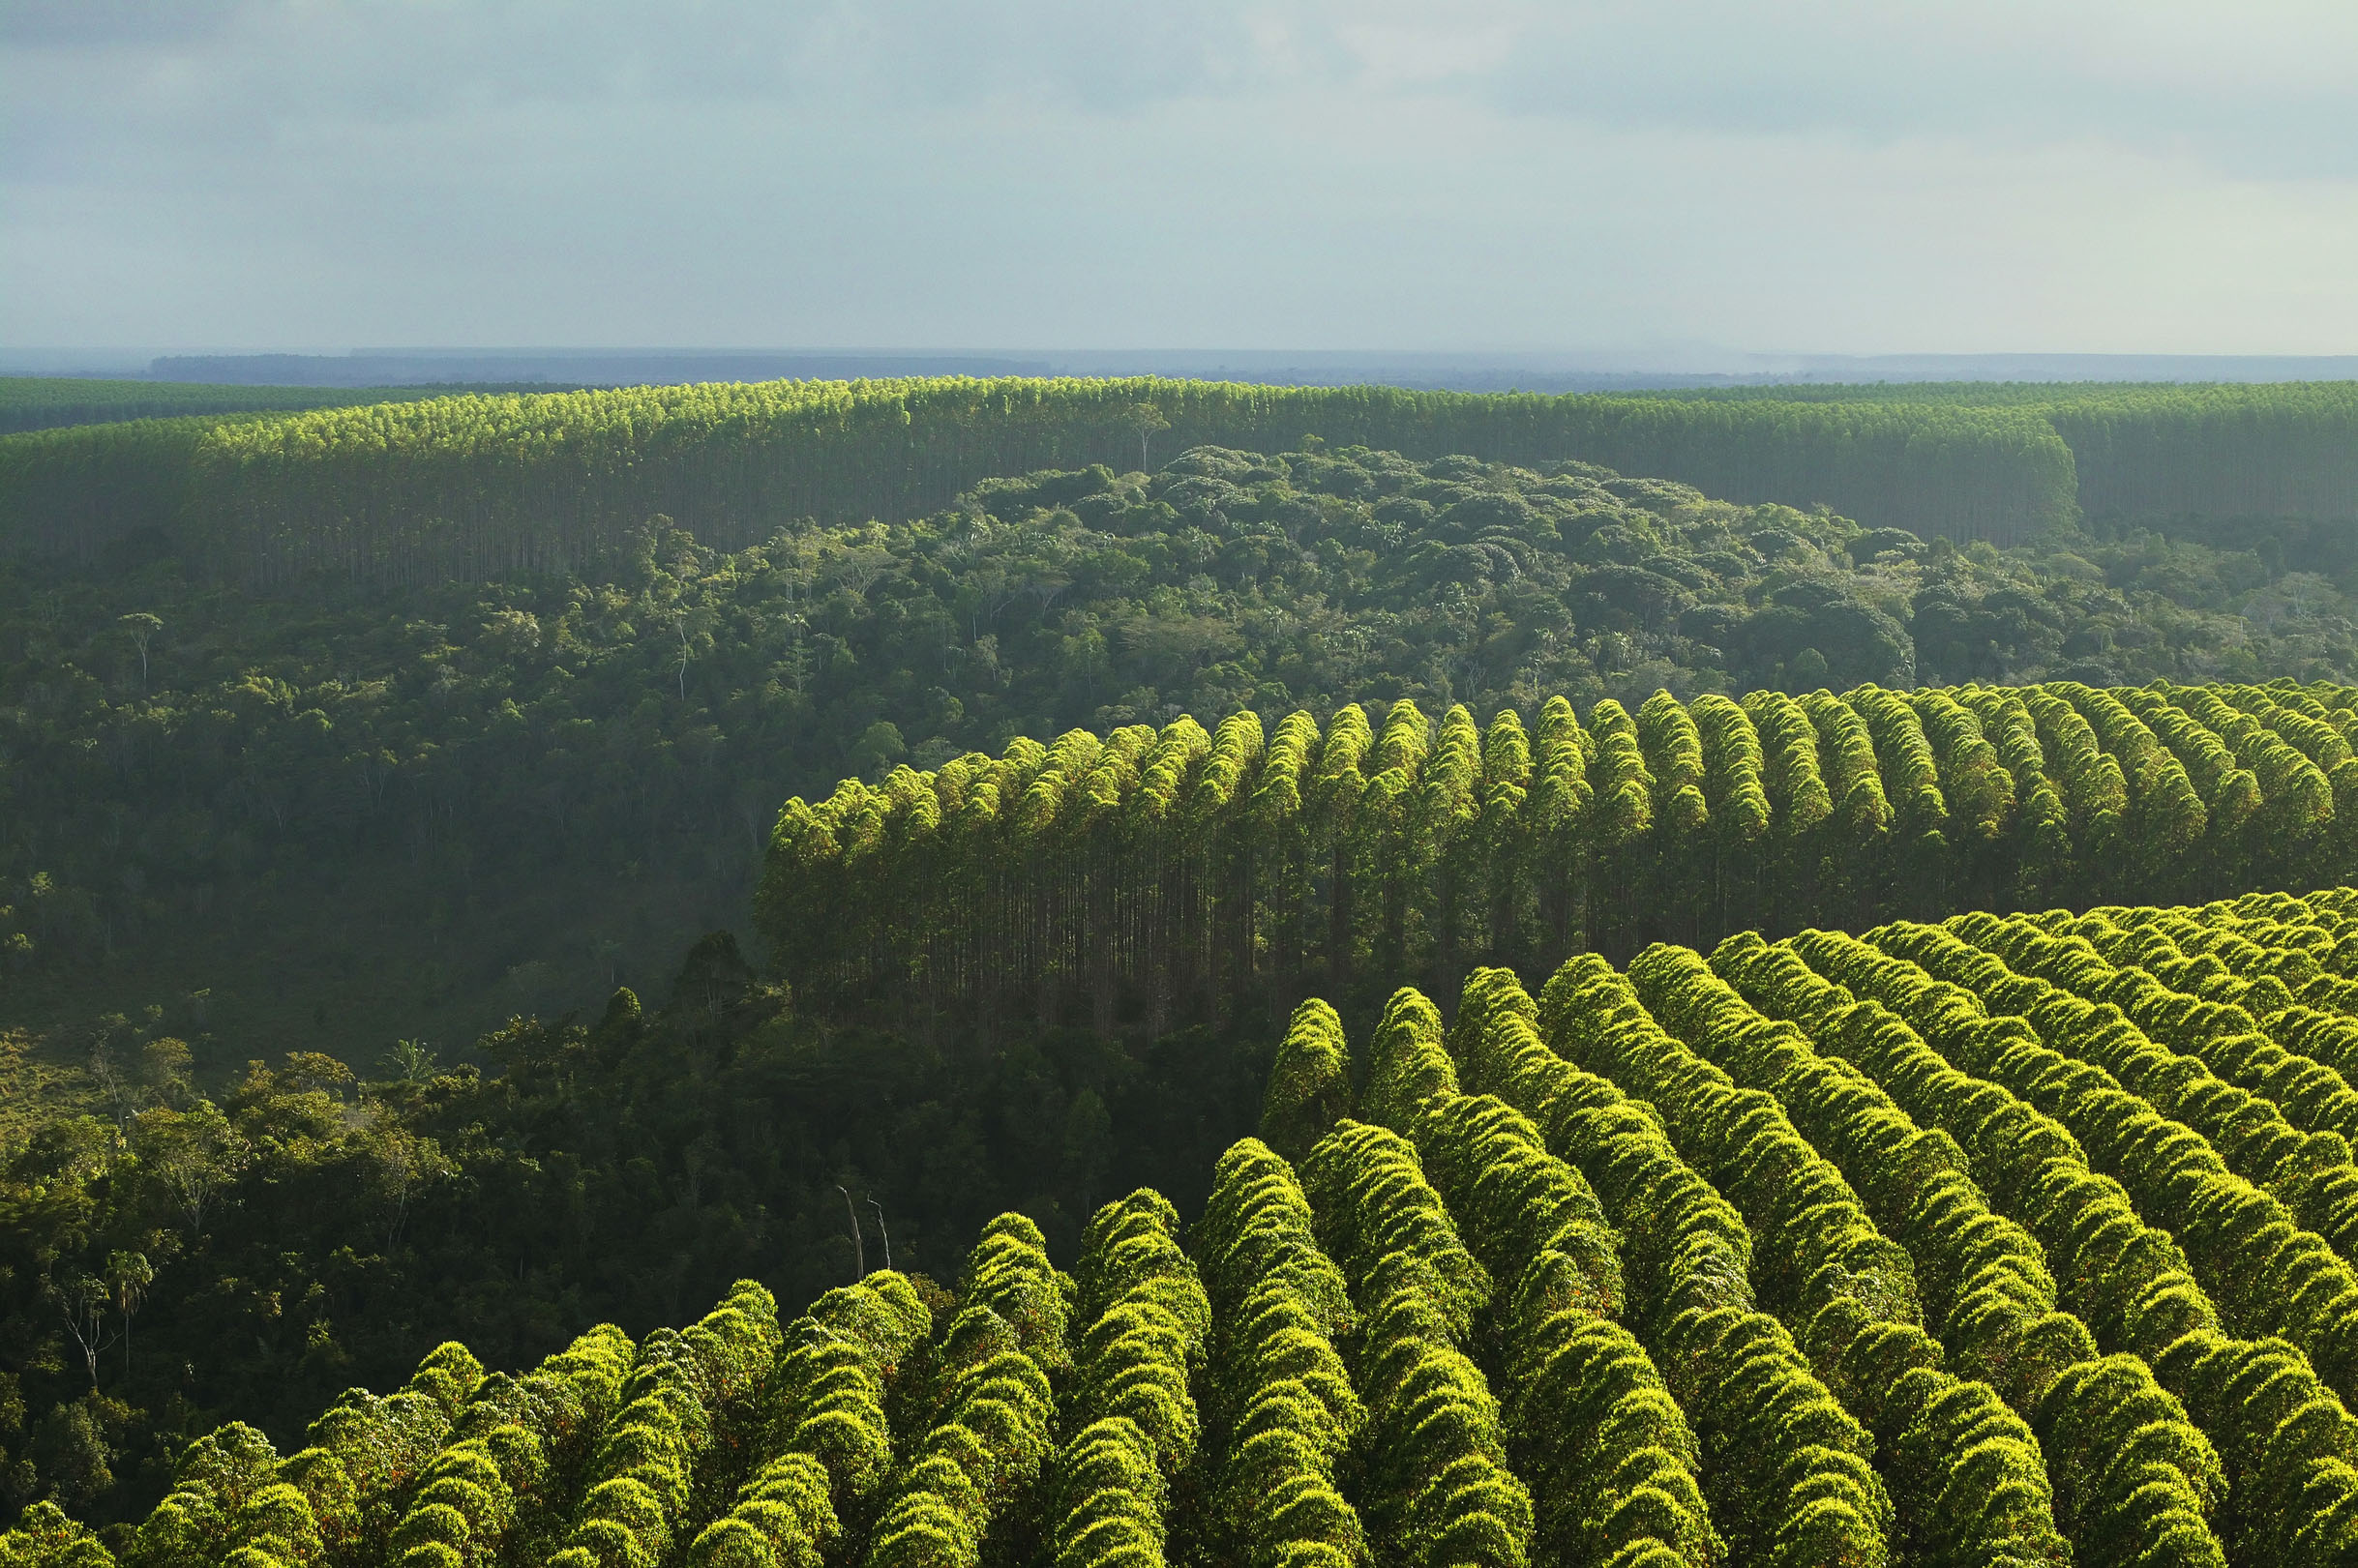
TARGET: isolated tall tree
(142,628)
(1145,419)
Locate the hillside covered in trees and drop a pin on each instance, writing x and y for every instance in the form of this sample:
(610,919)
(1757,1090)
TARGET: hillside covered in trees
(1841,1249)
(344,828)
(444,803)
(477,486)
(251,1248)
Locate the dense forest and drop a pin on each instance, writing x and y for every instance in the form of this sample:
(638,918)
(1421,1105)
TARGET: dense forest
(250,1249)
(447,803)
(379,788)
(1147,874)
(477,487)
(1841,1249)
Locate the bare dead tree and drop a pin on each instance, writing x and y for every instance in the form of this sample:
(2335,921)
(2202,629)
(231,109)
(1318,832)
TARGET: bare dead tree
(859,1249)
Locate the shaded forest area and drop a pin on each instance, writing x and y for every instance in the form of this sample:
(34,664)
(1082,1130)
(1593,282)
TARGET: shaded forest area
(176,1258)
(334,815)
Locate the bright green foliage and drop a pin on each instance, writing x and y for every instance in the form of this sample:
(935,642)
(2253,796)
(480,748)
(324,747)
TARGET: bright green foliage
(2175,1058)
(519,481)
(341,1492)
(1407,1064)
(1796,781)
(43,1537)
(1969,1264)
(1673,749)
(1624,784)
(1438,1489)
(1148,1321)
(1973,461)
(1985,1277)
(1975,1489)
(1734,764)
(1817,1256)
(2184,995)
(2167,818)
(992,1412)
(1150,863)
(331,1504)
(828,1441)
(1284,1397)
(217,1475)
(1612,1460)
(1981,794)
(516,1450)
(1445,830)
(2268,1275)
(1309,1087)
(1854,778)
(1138,1423)
(1111,1497)
(687,1402)
(1786,1468)
(1378,1216)
(2290,1447)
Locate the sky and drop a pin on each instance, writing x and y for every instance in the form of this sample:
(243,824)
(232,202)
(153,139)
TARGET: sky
(1831,176)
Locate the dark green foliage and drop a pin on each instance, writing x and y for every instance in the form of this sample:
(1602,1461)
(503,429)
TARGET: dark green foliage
(302,1241)
(529,789)
(41,403)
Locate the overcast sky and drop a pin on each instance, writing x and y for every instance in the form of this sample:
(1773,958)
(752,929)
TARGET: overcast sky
(1857,176)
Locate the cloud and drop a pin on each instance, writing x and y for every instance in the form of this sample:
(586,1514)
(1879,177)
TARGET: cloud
(1824,174)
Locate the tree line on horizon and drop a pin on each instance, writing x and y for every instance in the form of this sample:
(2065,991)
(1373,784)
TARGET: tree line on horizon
(474,486)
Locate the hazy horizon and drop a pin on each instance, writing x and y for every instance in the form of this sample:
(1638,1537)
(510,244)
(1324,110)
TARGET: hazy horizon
(558,366)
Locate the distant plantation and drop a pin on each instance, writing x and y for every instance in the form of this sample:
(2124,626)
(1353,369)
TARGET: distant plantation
(39,402)
(1153,872)
(474,486)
